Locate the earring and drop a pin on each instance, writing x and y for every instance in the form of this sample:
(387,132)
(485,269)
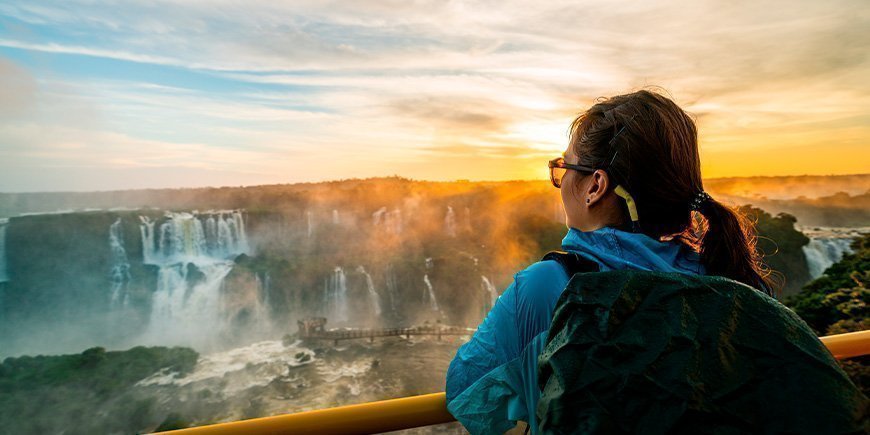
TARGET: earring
(587,200)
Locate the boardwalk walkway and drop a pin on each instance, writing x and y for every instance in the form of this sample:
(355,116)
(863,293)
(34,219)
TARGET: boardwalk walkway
(350,334)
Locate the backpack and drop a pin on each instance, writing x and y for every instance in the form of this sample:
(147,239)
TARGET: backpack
(631,351)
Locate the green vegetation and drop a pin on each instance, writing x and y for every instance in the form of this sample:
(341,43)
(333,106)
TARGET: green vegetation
(781,245)
(85,393)
(836,303)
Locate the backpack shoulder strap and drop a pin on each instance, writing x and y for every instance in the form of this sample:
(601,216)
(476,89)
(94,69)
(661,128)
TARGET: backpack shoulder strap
(572,262)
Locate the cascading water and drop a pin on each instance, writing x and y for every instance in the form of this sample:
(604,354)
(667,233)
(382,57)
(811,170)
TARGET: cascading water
(4,276)
(146,229)
(186,310)
(378,216)
(335,296)
(821,253)
(392,287)
(489,289)
(450,222)
(120,273)
(374,297)
(336,219)
(310,224)
(429,295)
(391,221)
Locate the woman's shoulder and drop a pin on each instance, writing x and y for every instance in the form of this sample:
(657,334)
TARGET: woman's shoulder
(538,287)
(542,272)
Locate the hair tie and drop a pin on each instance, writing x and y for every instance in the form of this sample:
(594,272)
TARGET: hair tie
(699,200)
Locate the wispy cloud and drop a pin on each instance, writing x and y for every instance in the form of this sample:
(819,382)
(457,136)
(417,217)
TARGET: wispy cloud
(264,91)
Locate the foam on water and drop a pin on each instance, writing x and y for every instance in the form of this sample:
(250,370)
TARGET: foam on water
(257,364)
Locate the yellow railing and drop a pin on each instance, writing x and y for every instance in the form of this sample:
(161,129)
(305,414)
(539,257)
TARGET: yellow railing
(416,411)
(848,345)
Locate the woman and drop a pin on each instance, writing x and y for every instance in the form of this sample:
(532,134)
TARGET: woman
(630,182)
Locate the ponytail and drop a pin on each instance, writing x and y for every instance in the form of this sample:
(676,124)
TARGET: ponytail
(728,248)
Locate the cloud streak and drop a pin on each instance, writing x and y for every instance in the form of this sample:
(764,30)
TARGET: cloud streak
(311,90)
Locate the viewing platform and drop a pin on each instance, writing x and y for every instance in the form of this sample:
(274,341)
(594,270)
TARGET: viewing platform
(312,328)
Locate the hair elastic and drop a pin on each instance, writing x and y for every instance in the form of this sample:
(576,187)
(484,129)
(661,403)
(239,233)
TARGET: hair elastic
(699,200)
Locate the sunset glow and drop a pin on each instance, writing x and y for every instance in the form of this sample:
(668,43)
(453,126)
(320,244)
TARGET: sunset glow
(178,94)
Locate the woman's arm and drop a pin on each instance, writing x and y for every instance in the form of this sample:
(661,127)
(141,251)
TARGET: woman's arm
(492,345)
(487,385)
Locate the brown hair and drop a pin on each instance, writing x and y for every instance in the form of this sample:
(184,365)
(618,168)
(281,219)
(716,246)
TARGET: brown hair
(655,158)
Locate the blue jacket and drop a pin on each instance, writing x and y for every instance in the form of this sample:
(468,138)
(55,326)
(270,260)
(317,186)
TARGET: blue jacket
(492,381)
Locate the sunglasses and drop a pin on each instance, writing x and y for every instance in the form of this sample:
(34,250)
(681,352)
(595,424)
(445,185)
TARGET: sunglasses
(558,168)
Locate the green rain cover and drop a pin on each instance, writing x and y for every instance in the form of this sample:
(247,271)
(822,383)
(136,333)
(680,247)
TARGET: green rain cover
(634,351)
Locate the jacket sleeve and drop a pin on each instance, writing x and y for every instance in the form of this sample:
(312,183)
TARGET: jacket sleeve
(493,344)
(491,382)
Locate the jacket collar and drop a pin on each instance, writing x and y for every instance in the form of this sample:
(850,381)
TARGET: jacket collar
(613,248)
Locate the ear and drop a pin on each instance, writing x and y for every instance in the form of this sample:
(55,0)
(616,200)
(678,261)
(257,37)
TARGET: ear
(599,182)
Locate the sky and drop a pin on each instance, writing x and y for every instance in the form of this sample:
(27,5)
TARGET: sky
(106,95)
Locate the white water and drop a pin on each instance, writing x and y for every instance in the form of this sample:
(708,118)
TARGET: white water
(120,273)
(827,246)
(310,224)
(257,364)
(3,274)
(336,219)
(335,296)
(490,289)
(450,222)
(374,297)
(429,296)
(823,253)
(181,315)
(186,311)
(183,237)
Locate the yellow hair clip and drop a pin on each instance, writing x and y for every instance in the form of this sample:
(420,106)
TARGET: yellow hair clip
(632,207)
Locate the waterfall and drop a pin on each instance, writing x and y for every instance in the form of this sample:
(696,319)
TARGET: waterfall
(185,315)
(182,237)
(378,216)
(392,287)
(310,224)
(335,218)
(489,289)
(259,321)
(146,228)
(374,297)
(450,222)
(335,296)
(822,253)
(120,273)
(430,294)
(186,310)
(241,235)
(4,276)
(391,221)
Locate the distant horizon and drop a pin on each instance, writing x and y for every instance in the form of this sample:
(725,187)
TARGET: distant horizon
(385,177)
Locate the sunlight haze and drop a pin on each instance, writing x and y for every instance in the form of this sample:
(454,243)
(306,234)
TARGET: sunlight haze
(186,94)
